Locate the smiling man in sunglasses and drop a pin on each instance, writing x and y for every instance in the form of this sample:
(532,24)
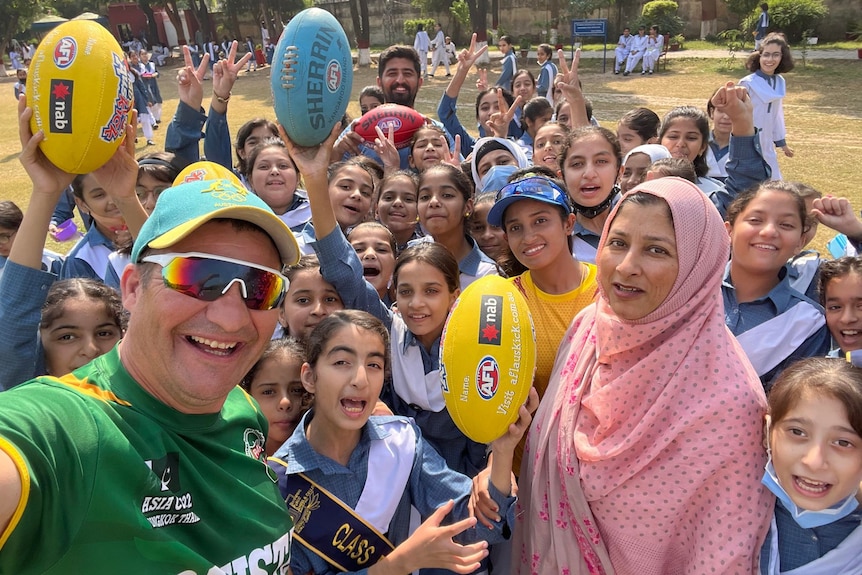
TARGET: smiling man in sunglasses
(150,459)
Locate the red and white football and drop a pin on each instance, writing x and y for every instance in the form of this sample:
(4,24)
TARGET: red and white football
(404,122)
(80,89)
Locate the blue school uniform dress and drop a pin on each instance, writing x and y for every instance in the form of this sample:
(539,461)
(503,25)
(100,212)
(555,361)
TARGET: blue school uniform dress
(22,292)
(585,242)
(832,549)
(776,330)
(804,273)
(404,471)
(525,142)
(745,168)
(545,81)
(474,265)
(408,393)
(447,112)
(716,159)
(89,257)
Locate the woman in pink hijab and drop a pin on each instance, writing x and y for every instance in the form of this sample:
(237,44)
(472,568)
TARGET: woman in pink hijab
(646,454)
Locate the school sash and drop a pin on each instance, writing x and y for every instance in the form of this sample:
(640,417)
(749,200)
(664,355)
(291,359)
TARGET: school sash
(769,343)
(297,217)
(806,267)
(427,392)
(348,539)
(96,255)
(584,250)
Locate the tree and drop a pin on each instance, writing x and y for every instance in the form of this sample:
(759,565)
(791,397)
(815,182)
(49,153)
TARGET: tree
(70,8)
(359,15)
(202,15)
(662,13)
(170,8)
(151,20)
(794,18)
(741,8)
(15,17)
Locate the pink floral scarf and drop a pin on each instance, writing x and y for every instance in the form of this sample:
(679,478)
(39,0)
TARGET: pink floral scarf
(646,454)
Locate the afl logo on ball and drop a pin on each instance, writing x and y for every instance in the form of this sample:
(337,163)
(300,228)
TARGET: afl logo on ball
(333,75)
(389,122)
(65,52)
(487,377)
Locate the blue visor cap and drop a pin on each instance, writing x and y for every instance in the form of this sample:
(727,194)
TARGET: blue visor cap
(532,188)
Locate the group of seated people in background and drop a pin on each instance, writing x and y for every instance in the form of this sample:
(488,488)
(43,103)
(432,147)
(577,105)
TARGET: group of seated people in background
(677,309)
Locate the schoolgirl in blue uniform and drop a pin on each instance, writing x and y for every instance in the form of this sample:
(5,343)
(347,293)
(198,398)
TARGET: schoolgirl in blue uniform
(775,324)
(89,258)
(426,280)
(685,133)
(590,163)
(840,286)
(814,435)
(350,478)
(487,102)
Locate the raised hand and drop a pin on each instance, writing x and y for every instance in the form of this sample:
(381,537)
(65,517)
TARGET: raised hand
(313,161)
(838,214)
(384,145)
(498,122)
(190,80)
(46,177)
(509,440)
(452,156)
(568,84)
(225,72)
(431,546)
(482,81)
(734,101)
(469,55)
(119,175)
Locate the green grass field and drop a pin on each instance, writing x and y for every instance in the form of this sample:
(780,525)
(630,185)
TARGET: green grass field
(823,110)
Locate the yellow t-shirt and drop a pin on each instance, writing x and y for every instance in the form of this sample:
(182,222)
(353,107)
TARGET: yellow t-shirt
(552,315)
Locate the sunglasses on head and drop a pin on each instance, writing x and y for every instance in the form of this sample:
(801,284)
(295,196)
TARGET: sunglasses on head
(535,186)
(207,277)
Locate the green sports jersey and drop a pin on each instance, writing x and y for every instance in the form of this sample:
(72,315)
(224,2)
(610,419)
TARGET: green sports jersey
(117,482)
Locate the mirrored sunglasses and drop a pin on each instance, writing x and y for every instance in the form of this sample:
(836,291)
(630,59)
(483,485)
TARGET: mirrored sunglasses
(207,277)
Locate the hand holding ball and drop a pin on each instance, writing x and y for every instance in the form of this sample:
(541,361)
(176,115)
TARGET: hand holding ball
(312,76)
(487,358)
(80,89)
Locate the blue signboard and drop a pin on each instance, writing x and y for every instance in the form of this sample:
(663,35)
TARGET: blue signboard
(591,28)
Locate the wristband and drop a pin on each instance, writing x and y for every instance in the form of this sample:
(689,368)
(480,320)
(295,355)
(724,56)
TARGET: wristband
(220,99)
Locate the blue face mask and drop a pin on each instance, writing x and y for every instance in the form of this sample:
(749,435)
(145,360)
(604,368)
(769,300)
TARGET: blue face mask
(808,519)
(497,177)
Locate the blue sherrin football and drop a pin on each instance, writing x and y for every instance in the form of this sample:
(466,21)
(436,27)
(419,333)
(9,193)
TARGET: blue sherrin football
(312,76)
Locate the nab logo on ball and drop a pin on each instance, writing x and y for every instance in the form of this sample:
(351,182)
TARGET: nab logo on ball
(61,106)
(490,322)
(65,52)
(333,76)
(487,377)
